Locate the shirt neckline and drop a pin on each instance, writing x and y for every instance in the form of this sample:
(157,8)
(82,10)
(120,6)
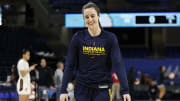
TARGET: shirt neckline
(94,36)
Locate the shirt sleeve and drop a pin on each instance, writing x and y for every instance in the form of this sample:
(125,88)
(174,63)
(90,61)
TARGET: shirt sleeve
(21,66)
(70,63)
(118,66)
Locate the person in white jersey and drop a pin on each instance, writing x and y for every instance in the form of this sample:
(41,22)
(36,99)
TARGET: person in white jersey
(24,81)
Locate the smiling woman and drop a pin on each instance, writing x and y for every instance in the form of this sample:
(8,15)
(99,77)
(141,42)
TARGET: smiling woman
(96,52)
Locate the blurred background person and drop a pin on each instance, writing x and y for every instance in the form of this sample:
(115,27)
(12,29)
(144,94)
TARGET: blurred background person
(115,87)
(45,81)
(131,81)
(70,90)
(161,85)
(153,90)
(147,79)
(58,79)
(13,76)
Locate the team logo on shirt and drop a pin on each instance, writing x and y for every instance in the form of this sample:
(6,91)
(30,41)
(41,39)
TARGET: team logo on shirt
(93,50)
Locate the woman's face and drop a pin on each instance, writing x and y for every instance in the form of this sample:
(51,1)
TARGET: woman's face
(27,55)
(91,17)
(163,68)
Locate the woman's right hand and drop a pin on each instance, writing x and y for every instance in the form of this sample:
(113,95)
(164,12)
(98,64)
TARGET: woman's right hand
(64,97)
(33,67)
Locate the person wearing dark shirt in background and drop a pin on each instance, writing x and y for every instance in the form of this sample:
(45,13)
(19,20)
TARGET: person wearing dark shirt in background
(45,79)
(96,52)
(161,86)
(153,90)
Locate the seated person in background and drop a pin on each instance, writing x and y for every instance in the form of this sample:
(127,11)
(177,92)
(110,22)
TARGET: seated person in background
(70,90)
(13,76)
(171,80)
(139,78)
(153,90)
(147,79)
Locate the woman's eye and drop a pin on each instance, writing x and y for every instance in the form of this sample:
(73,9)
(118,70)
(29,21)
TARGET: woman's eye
(87,17)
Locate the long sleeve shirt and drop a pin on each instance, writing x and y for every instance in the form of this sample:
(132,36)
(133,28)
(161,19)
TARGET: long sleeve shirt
(94,57)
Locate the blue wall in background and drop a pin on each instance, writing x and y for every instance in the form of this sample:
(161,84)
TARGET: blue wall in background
(151,66)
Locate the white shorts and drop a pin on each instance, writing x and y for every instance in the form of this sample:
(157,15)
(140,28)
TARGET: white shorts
(161,86)
(26,89)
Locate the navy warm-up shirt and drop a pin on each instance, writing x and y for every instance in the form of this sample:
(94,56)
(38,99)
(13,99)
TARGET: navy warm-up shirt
(94,57)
